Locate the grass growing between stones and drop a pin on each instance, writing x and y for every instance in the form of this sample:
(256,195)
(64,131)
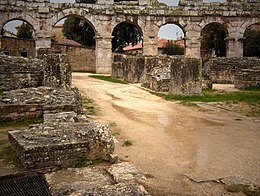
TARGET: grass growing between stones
(108,79)
(1,92)
(89,106)
(6,151)
(246,101)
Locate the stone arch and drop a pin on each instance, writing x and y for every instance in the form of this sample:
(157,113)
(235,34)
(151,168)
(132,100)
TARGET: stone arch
(80,13)
(26,18)
(128,22)
(208,33)
(251,41)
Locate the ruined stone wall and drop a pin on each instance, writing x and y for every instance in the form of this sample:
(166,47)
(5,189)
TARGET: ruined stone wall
(18,47)
(80,58)
(18,73)
(223,70)
(248,77)
(177,74)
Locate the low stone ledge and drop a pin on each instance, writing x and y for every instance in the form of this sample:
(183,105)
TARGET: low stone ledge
(248,78)
(62,144)
(33,102)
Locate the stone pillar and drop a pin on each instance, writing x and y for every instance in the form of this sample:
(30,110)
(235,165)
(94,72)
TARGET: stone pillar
(1,49)
(150,40)
(234,47)
(104,54)
(193,43)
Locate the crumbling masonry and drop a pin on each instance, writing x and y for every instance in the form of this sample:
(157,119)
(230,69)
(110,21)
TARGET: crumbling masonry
(148,15)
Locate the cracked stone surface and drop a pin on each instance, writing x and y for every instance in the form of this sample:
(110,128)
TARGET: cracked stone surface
(96,181)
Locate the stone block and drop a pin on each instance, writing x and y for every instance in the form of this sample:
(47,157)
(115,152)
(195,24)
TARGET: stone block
(62,144)
(186,76)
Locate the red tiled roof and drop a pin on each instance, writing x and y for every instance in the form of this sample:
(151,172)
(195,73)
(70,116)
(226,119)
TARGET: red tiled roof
(161,43)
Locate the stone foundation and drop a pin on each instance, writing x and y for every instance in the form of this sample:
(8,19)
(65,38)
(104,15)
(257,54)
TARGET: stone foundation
(64,142)
(177,74)
(248,78)
(33,102)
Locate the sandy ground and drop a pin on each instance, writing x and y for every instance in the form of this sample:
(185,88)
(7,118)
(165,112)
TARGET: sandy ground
(176,145)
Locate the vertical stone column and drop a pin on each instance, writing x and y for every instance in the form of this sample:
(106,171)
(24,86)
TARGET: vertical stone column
(193,43)
(235,47)
(150,39)
(1,49)
(104,54)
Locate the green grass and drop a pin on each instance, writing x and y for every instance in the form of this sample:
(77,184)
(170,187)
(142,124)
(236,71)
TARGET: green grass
(127,143)
(114,129)
(109,79)
(247,96)
(1,92)
(89,106)
(6,151)
(24,122)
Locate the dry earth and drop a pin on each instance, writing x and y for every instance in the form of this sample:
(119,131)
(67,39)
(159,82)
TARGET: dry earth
(183,150)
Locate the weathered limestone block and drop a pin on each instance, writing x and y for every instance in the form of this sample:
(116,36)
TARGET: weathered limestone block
(33,102)
(119,179)
(157,73)
(18,72)
(248,78)
(129,68)
(186,76)
(57,71)
(62,144)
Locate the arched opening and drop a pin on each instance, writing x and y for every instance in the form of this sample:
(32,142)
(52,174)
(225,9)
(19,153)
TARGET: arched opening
(75,36)
(74,30)
(171,40)
(252,41)
(18,38)
(127,37)
(213,41)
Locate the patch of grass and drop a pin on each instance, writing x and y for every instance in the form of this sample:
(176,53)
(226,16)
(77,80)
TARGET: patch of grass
(108,78)
(252,97)
(83,162)
(24,122)
(1,92)
(127,143)
(89,106)
(114,129)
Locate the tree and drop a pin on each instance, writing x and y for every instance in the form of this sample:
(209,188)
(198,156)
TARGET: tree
(213,40)
(25,31)
(173,49)
(124,35)
(252,43)
(79,30)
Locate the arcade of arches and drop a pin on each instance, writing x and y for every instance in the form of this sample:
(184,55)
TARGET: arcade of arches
(235,16)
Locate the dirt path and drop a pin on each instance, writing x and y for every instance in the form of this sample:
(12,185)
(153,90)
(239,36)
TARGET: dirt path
(172,141)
